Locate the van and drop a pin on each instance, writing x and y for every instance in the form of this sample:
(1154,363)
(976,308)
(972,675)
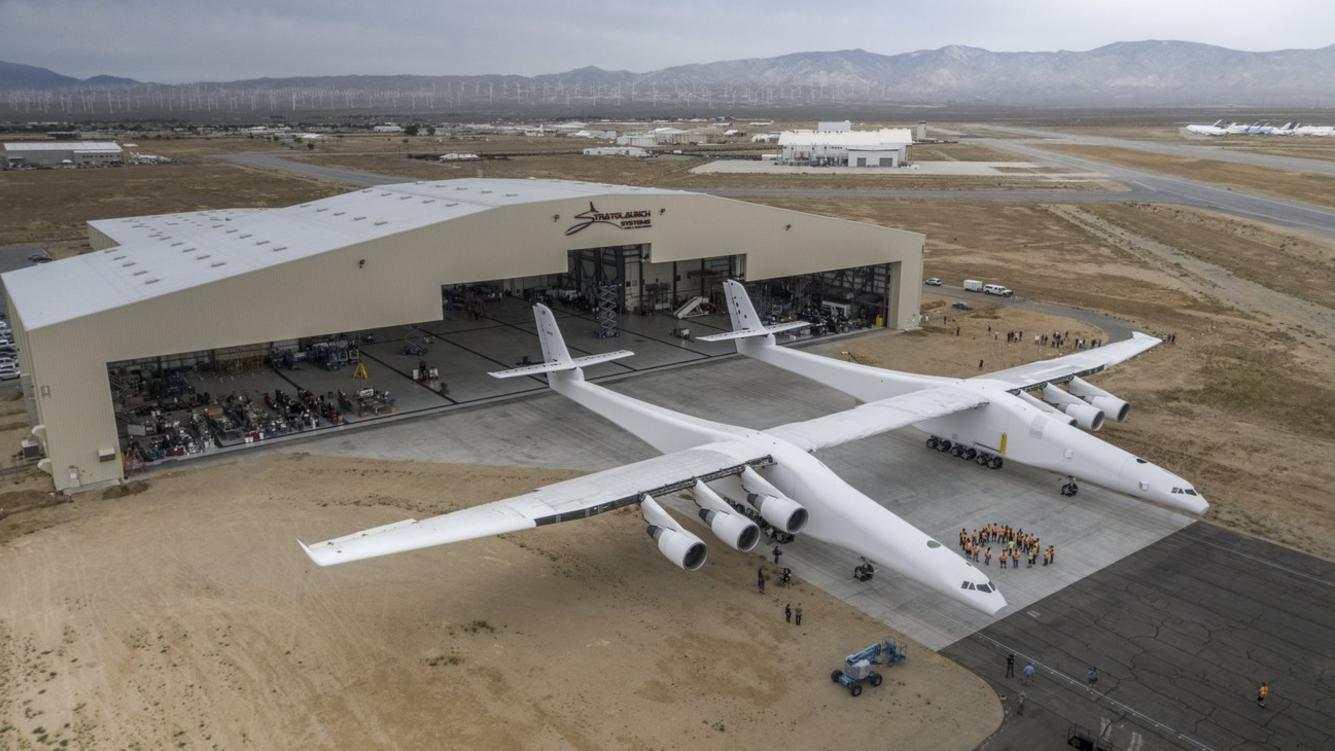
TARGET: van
(973,285)
(997,289)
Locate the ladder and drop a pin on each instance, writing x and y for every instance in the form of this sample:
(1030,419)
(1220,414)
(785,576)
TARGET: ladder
(607,310)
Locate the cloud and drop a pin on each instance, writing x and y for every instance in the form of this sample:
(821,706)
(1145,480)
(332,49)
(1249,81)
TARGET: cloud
(190,40)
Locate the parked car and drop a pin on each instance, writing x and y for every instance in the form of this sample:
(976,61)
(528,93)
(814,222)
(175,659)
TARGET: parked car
(997,289)
(973,285)
(933,281)
(39,258)
(961,305)
(8,374)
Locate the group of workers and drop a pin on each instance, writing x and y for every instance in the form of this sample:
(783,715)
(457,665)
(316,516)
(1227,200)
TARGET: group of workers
(1013,542)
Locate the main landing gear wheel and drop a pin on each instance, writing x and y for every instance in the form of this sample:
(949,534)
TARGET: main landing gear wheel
(994,462)
(874,679)
(970,453)
(944,445)
(933,442)
(957,451)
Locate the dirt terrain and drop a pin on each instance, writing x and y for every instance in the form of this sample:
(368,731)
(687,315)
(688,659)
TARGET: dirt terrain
(1303,186)
(47,205)
(182,613)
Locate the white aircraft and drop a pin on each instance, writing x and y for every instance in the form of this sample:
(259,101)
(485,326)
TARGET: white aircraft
(732,473)
(1011,424)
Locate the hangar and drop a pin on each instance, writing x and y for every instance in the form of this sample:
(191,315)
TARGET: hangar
(168,338)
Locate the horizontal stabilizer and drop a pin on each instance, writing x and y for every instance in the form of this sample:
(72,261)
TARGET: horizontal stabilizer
(555,367)
(748,333)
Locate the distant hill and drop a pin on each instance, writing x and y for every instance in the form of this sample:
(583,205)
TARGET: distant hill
(1146,73)
(19,76)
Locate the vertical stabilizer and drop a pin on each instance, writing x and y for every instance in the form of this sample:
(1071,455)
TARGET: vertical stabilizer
(549,335)
(740,309)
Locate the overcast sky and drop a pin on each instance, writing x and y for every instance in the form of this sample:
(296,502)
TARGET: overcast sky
(189,40)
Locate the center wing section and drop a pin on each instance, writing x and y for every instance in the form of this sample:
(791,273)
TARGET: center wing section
(576,498)
(874,418)
(1080,364)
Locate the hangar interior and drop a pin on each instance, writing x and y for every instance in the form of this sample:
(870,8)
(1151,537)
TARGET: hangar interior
(192,333)
(189,403)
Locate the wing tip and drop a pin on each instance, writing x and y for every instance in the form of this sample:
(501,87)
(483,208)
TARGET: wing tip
(311,554)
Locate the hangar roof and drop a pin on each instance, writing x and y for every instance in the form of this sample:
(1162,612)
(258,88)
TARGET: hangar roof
(885,137)
(89,147)
(166,253)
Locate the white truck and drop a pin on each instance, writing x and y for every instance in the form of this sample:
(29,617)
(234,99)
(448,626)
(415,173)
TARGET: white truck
(1000,290)
(973,285)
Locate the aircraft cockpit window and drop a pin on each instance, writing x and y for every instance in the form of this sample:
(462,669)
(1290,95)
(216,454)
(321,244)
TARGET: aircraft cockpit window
(984,588)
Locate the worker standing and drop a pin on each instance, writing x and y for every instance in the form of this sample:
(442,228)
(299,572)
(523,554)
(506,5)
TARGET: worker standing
(797,615)
(1029,674)
(788,613)
(1019,707)
(1262,694)
(1092,676)
(778,551)
(1010,665)
(760,580)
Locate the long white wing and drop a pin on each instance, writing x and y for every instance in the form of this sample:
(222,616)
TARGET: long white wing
(1075,364)
(878,417)
(577,498)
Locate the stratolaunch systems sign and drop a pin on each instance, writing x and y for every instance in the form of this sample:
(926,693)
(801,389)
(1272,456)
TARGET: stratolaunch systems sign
(620,219)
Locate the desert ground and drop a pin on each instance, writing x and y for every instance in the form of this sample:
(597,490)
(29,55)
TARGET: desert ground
(180,612)
(1301,186)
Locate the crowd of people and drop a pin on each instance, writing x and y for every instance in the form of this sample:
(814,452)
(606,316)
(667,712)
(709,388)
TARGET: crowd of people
(1011,544)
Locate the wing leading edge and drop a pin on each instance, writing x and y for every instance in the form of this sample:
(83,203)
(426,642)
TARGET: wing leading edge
(874,418)
(1080,364)
(576,498)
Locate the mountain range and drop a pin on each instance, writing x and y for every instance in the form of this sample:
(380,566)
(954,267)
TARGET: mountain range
(1144,73)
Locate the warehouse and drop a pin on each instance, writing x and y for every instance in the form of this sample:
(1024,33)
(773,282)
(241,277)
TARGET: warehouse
(887,147)
(190,333)
(55,153)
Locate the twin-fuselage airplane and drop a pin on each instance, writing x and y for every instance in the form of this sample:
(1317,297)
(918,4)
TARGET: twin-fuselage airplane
(733,473)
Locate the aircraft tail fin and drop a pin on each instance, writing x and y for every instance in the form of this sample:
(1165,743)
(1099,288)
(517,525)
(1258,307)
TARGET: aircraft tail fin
(746,323)
(556,356)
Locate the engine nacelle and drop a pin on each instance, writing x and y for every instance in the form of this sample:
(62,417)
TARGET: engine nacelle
(1046,408)
(675,543)
(781,511)
(774,507)
(679,546)
(1111,405)
(1086,415)
(735,530)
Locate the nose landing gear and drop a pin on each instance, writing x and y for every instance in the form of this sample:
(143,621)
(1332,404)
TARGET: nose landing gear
(1069,489)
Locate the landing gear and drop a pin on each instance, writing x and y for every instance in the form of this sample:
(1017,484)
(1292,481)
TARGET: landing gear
(864,572)
(957,451)
(944,445)
(1070,488)
(875,679)
(994,462)
(933,442)
(970,453)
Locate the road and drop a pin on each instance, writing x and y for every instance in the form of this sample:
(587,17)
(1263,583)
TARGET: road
(1285,212)
(1182,632)
(1114,327)
(1145,187)
(1190,150)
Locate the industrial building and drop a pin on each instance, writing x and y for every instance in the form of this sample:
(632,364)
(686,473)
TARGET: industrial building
(57,153)
(886,147)
(196,332)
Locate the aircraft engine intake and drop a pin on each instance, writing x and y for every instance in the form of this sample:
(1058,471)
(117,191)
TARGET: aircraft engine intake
(1111,405)
(681,547)
(781,511)
(676,544)
(735,530)
(1086,415)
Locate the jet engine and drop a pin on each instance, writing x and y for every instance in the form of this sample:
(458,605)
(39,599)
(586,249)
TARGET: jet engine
(774,507)
(1086,416)
(1112,406)
(1046,408)
(676,544)
(735,530)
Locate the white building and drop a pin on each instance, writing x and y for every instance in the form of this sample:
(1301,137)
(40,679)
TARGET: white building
(642,140)
(887,147)
(387,128)
(834,126)
(55,153)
